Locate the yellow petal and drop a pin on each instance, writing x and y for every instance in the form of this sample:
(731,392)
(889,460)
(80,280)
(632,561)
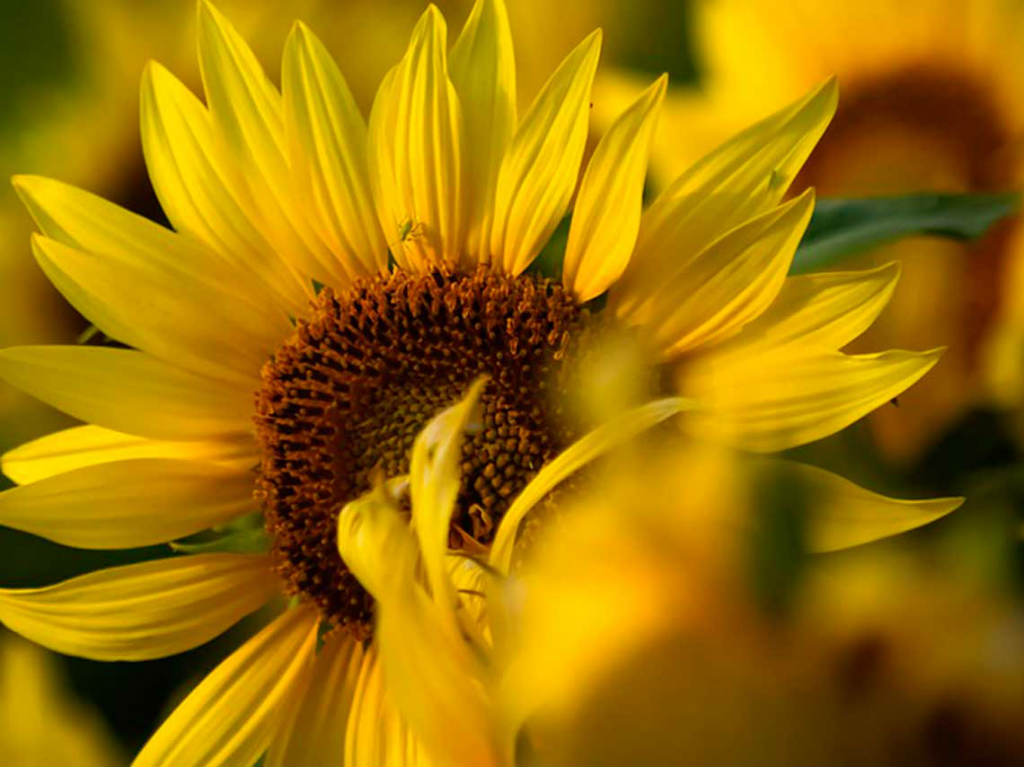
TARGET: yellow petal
(484,74)
(539,171)
(200,186)
(743,178)
(826,310)
(583,451)
(319,710)
(415,147)
(377,733)
(437,682)
(844,515)
(89,445)
(166,311)
(434,476)
(128,503)
(142,611)
(376,544)
(230,718)
(127,391)
(247,111)
(777,400)
(327,140)
(606,217)
(732,282)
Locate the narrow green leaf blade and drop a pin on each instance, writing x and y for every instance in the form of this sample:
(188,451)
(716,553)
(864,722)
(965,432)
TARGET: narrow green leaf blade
(842,227)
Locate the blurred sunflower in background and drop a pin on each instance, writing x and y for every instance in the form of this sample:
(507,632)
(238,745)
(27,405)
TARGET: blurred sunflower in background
(932,99)
(277,280)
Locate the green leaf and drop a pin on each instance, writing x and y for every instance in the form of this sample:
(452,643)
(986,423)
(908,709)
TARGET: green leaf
(243,536)
(840,228)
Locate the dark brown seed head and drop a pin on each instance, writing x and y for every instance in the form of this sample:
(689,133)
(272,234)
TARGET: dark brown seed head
(346,395)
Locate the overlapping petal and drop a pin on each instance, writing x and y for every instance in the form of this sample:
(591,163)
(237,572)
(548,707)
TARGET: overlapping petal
(733,281)
(416,153)
(200,186)
(606,217)
(142,611)
(127,391)
(230,718)
(484,74)
(89,445)
(318,710)
(539,171)
(326,137)
(779,399)
(131,503)
(743,178)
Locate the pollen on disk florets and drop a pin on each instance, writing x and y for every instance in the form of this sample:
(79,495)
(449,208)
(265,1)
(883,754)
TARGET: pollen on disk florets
(346,395)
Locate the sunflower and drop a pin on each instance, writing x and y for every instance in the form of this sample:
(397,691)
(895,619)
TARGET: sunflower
(270,329)
(932,100)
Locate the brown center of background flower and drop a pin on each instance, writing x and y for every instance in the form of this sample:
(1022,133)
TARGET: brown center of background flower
(345,396)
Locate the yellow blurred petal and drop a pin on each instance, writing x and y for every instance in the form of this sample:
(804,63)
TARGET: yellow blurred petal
(44,722)
(200,188)
(230,718)
(732,282)
(539,171)
(583,451)
(327,139)
(606,218)
(247,111)
(743,178)
(436,681)
(434,477)
(127,391)
(89,445)
(319,710)
(376,544)
(166,310)
(377,733)
(845,515)
(826,310)
(774,401)
(415,148)
(484,74)
(142,611)
(128,503)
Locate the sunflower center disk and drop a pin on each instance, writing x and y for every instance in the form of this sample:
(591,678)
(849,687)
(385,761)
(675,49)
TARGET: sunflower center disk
(346,395)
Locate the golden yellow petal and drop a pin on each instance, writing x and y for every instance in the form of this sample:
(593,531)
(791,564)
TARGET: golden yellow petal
(484,74)
(319,710)
(826,310)
(247,112)
(846,515)
(377,733)
(89,445)
(784,398)
(732,282)
(743,178)
(128,503)
(434,476)
(167,309)
(539,171)
(583,451)
(200,187)
(415,147)
(128,391)
(327,142)
(230,718)
(142,611)
(606,217)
